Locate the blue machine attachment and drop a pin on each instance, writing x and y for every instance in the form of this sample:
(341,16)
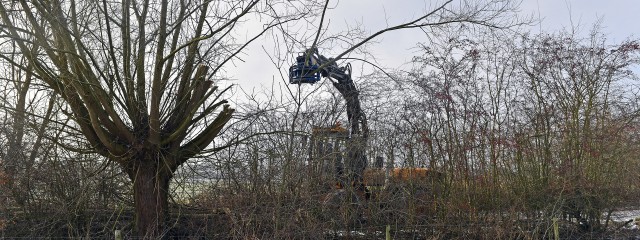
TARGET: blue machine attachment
(304,71)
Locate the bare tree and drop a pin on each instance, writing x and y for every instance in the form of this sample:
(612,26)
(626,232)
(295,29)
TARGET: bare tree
(518,124)
(135,78)
(25,131)
(581,98)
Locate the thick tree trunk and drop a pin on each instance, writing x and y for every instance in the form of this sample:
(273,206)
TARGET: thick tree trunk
(150,189)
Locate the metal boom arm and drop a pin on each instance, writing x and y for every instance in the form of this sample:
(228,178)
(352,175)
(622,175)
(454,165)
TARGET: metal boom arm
(340,77)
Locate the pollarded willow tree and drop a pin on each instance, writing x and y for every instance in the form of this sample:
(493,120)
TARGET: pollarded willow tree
(137,77)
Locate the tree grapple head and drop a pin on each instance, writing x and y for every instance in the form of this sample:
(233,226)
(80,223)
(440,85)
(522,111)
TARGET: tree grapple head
(305,70)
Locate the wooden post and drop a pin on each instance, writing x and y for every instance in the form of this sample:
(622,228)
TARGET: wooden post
(556,228)
(388,233)
(118,234)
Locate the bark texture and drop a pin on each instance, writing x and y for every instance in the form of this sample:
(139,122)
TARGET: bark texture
(150,189)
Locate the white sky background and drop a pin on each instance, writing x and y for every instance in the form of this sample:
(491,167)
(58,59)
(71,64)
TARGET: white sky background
(620,20)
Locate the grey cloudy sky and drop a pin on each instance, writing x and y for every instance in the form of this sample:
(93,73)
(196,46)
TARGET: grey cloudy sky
(620,20)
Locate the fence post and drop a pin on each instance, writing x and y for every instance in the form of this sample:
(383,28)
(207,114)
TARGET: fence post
(118,234)
(388,232)
(556,228)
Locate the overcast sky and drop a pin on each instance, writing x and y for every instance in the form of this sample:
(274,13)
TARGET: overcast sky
(620,20)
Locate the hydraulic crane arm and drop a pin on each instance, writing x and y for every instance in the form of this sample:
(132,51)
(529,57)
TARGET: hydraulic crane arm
(308,69)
